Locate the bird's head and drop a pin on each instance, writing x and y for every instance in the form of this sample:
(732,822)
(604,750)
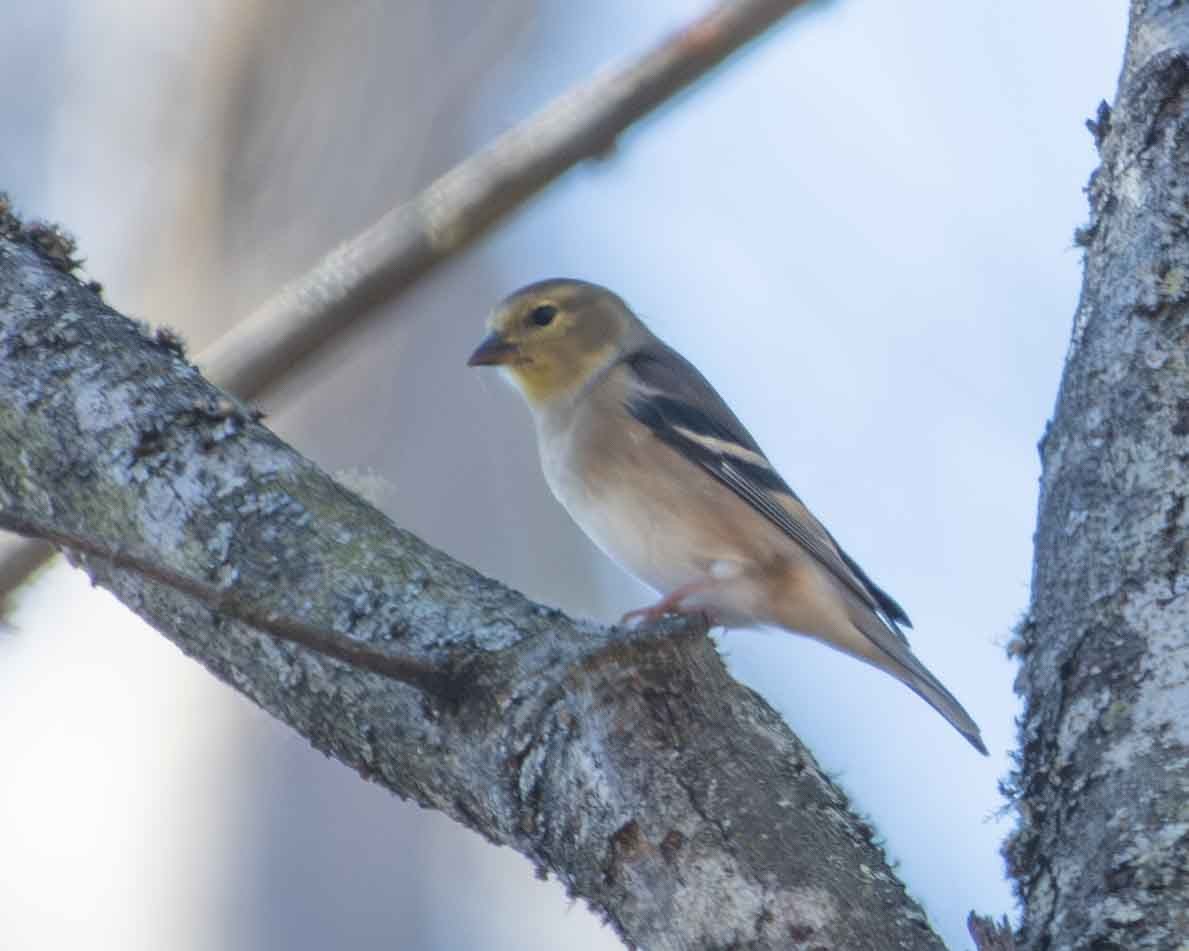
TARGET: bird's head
(551,337)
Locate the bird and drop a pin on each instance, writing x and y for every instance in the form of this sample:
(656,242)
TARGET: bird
(656,469)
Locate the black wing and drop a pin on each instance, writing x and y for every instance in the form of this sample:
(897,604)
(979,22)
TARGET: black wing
(682,409)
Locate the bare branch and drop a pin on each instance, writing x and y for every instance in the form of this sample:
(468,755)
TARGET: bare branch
(454,211)
(19,559)
(225,601)
(460,206)
(632,767)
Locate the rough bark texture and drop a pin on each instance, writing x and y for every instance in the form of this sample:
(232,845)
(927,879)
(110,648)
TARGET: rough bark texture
(628,764)
(1101,857)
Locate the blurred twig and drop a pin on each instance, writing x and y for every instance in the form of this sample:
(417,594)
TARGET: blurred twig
(457,209)
(460,206)
(19,558)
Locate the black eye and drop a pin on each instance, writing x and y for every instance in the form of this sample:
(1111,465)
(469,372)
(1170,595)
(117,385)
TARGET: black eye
(543,315)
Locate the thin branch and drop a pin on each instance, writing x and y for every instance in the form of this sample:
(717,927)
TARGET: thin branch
(463,204)
(224,601)
(19,559)
(453,212)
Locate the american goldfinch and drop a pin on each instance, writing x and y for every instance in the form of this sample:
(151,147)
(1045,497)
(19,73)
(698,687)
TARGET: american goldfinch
(656,469)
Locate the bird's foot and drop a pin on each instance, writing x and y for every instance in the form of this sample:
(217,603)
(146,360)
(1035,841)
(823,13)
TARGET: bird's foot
(650,614)
(670,604)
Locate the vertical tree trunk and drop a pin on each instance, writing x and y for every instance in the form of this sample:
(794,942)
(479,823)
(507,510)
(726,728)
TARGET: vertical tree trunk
(1103,780)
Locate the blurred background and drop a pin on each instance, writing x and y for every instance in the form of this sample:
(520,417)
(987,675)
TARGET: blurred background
(861,231)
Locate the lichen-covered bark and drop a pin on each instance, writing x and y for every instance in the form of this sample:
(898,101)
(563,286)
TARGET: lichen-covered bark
(628,764)
(1100,856)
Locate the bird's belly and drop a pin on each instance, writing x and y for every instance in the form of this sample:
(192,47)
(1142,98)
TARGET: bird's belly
(661,537)
(659,548)
(633,528)
(638,538)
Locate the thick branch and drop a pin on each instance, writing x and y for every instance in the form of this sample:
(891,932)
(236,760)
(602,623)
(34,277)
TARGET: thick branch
(440,683)
(633,768)
(1099,857)
(412,239)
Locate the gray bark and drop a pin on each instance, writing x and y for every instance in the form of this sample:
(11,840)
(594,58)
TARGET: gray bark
(628,764)
(1099,857)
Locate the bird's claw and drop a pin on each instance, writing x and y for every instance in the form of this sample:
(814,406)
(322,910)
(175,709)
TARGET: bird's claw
(648,615)
(656,612)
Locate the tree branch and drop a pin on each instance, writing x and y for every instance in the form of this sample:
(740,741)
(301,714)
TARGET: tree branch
(224,601)
(1099,855)
(632,767)
(464,203)
(412,239)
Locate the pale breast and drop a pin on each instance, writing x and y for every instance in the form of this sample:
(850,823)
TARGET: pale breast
(636,503)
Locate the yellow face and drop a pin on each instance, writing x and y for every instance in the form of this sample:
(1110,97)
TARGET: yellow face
(550,337)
